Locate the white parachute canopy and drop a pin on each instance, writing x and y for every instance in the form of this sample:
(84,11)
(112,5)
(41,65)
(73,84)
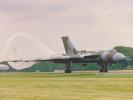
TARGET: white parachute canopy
(23,47)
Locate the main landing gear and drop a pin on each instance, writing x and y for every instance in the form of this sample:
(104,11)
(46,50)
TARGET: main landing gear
(68,68)
(104,68)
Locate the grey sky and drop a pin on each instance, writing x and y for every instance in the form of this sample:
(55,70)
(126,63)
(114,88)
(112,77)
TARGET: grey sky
(91,24)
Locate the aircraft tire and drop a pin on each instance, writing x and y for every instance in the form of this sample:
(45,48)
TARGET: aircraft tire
(101,70)
(68,71)
(106,70)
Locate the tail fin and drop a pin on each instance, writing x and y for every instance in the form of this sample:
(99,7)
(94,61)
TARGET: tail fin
(69,48)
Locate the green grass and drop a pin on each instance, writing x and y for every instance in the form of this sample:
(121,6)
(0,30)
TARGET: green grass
(75,86)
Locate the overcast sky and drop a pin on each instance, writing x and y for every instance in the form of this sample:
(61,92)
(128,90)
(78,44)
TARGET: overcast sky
(91,24)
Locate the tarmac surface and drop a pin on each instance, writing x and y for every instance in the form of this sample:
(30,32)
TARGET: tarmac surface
(120,72)
(113,72)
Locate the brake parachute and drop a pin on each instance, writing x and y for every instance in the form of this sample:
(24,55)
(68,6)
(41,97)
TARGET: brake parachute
(23,47)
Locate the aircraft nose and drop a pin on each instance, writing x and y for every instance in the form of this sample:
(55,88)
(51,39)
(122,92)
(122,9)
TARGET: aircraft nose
(118,57)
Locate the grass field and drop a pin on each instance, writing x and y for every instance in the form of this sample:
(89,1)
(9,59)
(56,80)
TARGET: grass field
(75,86)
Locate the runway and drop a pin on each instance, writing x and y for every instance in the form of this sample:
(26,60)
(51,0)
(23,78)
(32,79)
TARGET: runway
(120,72)
(111,72)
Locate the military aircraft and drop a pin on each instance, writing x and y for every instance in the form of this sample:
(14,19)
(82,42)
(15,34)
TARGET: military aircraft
(102,58)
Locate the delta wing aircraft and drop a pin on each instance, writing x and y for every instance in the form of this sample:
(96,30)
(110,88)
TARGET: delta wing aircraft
(102,58)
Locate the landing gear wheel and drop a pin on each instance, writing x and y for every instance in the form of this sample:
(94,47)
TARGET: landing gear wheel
(104,68)
(68,71)
(101,70)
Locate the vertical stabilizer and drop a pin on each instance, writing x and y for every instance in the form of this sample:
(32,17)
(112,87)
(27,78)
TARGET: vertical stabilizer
(69,48)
